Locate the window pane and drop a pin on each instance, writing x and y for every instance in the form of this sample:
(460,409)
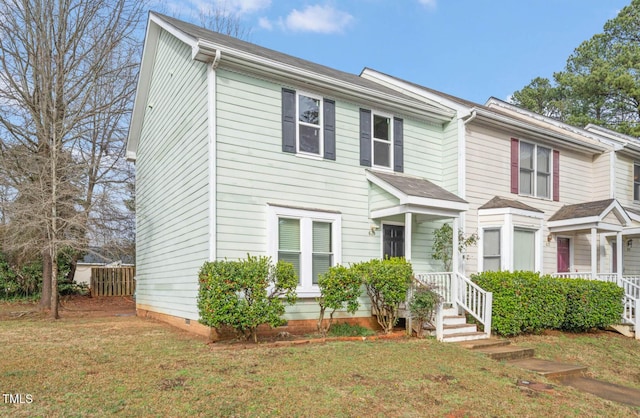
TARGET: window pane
(543,160)
(526,182)
(542,185)
(321,263)
(288,234)
(321,237)
(381,127)
(382,153)
(636,182)
(308,110)
(524,250)
(491,249)
(492,264)
(491,245)
(293,258)
(526,155)
(309,139)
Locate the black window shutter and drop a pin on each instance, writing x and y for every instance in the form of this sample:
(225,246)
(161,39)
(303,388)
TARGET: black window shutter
(365,137)
(288,120)
(398,145)
(329,129)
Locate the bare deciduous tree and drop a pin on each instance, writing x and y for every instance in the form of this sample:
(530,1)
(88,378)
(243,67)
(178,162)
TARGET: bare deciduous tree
(67,77)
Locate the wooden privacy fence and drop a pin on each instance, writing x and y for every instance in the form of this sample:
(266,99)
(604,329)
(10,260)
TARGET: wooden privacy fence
(113,281)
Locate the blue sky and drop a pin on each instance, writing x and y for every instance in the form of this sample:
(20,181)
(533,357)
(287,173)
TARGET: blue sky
(473,49)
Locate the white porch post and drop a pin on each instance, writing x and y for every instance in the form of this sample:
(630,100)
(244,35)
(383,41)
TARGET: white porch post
(407,235)
(594,253)
(618,256)
(455,256)
(455,252)
(407,255)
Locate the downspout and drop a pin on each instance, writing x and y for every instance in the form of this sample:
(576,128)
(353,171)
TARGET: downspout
(212,131)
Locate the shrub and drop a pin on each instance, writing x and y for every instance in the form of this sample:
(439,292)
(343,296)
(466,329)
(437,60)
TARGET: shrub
(591,304)
(338,286)
(245,294)
(422,305)
(523,301)
(387,282)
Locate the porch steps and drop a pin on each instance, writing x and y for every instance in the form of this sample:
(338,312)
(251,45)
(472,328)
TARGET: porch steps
(455,328)
(624,329)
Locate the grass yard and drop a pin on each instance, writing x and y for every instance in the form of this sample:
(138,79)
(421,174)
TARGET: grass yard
(97,366)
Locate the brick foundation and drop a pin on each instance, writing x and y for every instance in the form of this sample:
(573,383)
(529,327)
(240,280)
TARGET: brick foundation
(298,327)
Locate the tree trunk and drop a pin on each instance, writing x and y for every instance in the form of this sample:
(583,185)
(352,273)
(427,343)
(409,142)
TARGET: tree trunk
(54,288)
(45,297)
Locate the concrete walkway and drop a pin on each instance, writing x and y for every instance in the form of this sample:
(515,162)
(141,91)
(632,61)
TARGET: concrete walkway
(563,373)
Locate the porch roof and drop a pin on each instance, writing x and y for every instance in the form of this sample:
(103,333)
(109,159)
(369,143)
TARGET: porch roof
(605,215)
(502,203)
(415,195)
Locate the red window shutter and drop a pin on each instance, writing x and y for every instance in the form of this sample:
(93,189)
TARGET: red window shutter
(515,151)
(556,175)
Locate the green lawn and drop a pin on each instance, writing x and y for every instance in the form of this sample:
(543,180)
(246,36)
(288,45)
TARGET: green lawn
(135,367)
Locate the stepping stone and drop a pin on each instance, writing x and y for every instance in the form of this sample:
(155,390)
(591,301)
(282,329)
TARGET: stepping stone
(609,391)
(549,369)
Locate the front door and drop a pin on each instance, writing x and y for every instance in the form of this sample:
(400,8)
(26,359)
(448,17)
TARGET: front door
(393,240)
(564,254)
(614,256)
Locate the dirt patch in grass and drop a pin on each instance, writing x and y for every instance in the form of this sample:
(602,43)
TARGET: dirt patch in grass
(73,306)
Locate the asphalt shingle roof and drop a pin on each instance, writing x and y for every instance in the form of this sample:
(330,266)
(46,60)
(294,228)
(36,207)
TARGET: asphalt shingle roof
(500,202)
(418,187)
(581,210)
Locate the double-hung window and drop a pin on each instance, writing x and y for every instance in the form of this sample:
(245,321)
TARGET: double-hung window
(535,170)
(382,141)
(308,125)
(636,182)
(308,239)
(309,132)
(491,249)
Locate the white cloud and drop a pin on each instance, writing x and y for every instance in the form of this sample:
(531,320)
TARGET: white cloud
(320,19)
(247,6)
(429,3)
(265,23)
(227,7)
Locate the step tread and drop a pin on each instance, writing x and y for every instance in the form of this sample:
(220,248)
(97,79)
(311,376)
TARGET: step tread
(549,368)
(487,342)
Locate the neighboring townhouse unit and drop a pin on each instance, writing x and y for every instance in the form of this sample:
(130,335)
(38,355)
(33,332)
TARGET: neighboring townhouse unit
(240,149)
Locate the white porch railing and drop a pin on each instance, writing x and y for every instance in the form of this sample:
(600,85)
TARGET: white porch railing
(459,291)
(605,277)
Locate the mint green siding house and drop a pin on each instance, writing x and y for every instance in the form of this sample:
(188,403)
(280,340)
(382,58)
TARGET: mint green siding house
(240,149)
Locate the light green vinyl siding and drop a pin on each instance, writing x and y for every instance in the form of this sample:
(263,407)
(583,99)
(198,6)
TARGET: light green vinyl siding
(252,171)
(172,184)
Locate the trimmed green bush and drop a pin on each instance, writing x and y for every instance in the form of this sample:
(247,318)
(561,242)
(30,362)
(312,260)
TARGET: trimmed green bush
(387,282)
(423,304)
(339,286)
(245,294)
(591,304)
(523,301)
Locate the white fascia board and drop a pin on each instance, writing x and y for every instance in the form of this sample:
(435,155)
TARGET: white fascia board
(597,136)
(416,210)
(631,231)
(435,203)
(574,222)
(393,82)
(142,89)
(511,211)
(633,216)
(511,123)
(619,212)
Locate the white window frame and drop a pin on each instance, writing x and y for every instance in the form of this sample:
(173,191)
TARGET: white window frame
(500,242)
(391,141)
(534,171)
(636,184)
(306,288)
(320,126)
